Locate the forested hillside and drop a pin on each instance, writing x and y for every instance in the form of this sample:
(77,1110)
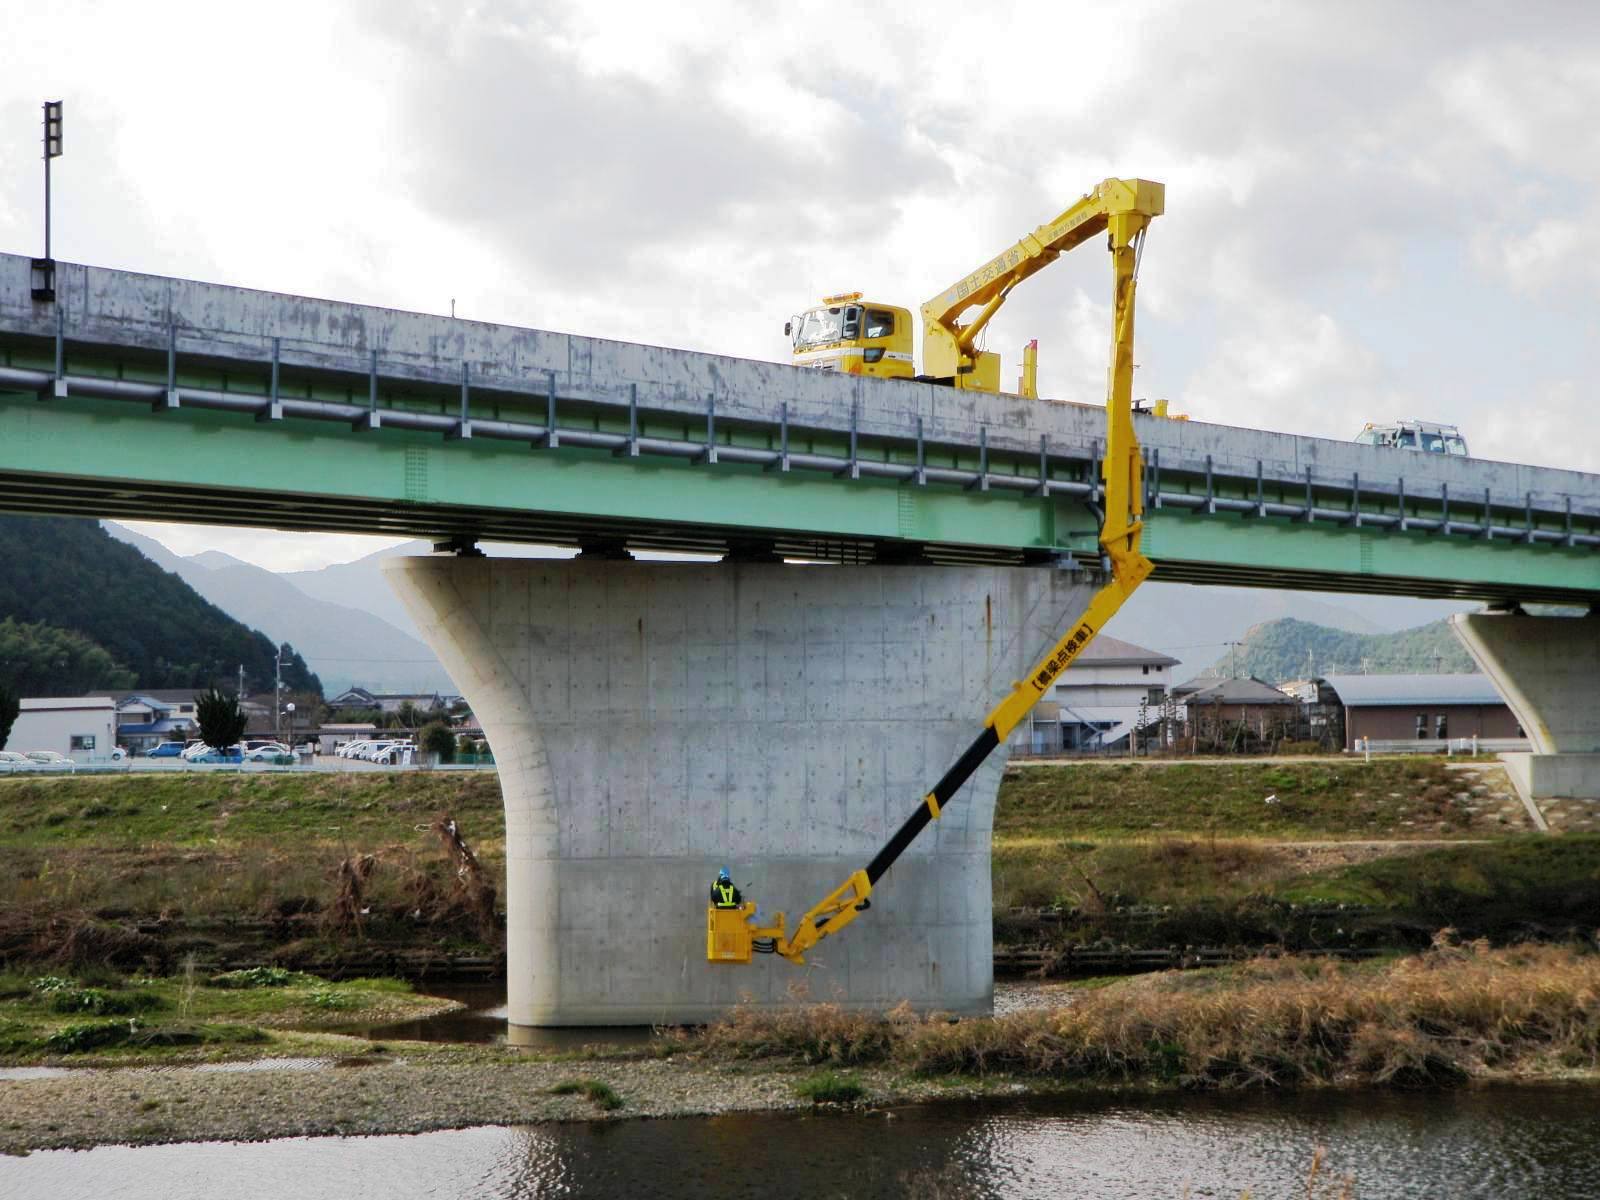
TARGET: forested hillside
(1277,651)
(80,610)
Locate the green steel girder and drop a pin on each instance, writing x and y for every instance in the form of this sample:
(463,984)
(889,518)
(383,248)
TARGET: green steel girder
(111,458)
(116,459)
(1281,552)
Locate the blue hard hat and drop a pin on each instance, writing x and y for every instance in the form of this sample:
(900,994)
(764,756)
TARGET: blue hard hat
(723,874)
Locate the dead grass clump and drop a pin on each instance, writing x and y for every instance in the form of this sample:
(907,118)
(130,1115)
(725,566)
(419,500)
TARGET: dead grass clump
(350,882)
(813,1033)
(82,941)
(1431,1020)
(477,892)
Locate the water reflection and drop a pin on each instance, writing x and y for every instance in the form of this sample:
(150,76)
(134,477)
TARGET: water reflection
(1489,1143)
(483,1019)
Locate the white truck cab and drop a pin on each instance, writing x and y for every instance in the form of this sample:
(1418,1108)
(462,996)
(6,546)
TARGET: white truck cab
(1428,437)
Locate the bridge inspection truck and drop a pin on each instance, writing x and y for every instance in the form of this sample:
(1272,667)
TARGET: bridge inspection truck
(849,334)
(1122,209)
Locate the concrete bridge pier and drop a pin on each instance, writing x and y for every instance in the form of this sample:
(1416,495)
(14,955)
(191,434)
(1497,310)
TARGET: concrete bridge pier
(655,721)
(1545,668)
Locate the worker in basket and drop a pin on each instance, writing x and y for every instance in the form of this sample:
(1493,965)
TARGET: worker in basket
(723,892)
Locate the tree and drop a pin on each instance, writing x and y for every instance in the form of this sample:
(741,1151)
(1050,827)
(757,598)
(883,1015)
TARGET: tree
(40,659)
(10,706)
(409,714)
(436,738)
(220,719)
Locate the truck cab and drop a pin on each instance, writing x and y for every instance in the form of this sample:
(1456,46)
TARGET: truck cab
(1428,437)
(854,337)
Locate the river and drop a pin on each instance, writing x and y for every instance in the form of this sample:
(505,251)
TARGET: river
(1534,1143)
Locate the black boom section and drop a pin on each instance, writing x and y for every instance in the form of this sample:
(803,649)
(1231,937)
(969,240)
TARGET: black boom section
(947,787)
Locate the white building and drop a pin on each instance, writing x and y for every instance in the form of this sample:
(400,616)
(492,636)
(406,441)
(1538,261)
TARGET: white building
(1098,700)
(80,727)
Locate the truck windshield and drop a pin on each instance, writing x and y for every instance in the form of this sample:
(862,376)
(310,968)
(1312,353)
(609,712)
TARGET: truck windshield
(822,325)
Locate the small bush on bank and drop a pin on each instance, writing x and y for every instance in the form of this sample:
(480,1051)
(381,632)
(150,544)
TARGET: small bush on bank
(829,1087)
(596,1091)
(255,977)
(102,1003)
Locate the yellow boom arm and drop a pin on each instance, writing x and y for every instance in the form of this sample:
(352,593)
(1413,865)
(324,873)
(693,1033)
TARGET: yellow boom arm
(1123,208)
(949,348)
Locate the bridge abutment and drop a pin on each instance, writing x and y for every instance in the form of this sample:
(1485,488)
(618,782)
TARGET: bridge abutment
(655,721)
(1545,668)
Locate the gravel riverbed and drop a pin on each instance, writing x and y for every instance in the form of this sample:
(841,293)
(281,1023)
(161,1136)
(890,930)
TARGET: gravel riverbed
(374,1094)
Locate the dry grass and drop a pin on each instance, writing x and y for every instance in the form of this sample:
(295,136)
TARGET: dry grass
(1432,1019)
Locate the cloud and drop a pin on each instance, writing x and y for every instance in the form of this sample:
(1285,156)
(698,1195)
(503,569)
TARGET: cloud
(1291,369)
(607,178)
(1368,203)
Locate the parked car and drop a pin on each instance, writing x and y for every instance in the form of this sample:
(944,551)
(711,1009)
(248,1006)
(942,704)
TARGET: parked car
(395,752)
(166,750)
(49,758)
(202,753)
(10,760)
(266,752)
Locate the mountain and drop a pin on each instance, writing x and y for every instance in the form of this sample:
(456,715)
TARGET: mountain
(346,644)
(1193,624)
(71,575)
(1290,649)
(360,583)
(1196,624)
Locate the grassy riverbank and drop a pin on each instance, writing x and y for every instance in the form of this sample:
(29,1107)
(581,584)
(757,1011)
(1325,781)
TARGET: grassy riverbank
(340,873)
(100,1017)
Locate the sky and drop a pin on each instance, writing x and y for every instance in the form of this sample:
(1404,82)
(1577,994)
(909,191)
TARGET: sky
(1374,210)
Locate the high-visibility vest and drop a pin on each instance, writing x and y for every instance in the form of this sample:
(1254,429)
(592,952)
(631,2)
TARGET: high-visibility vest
(725,895)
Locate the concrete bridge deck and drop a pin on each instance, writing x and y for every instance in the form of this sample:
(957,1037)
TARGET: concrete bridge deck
(176,400)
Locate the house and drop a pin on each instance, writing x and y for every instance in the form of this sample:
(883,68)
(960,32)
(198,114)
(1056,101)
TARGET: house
(1098,701)
(1224,710)
(80,727)
(1427,710)
(144,721)
(387,702)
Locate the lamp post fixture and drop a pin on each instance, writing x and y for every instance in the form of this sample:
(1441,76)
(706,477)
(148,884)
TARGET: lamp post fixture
(44,269)
(289,708)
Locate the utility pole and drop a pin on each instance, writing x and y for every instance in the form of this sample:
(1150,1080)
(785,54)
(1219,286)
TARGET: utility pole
(1232,674)
(44,269)
(277,693)
(241,682)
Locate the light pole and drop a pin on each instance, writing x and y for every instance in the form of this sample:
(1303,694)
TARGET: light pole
(289,708)
(43,270)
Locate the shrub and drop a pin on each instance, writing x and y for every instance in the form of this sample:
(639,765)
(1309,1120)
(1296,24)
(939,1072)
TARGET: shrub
(828,1087)
(255,977)
(597,1091)
(436,738)
(94,1035)
(103,1003)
